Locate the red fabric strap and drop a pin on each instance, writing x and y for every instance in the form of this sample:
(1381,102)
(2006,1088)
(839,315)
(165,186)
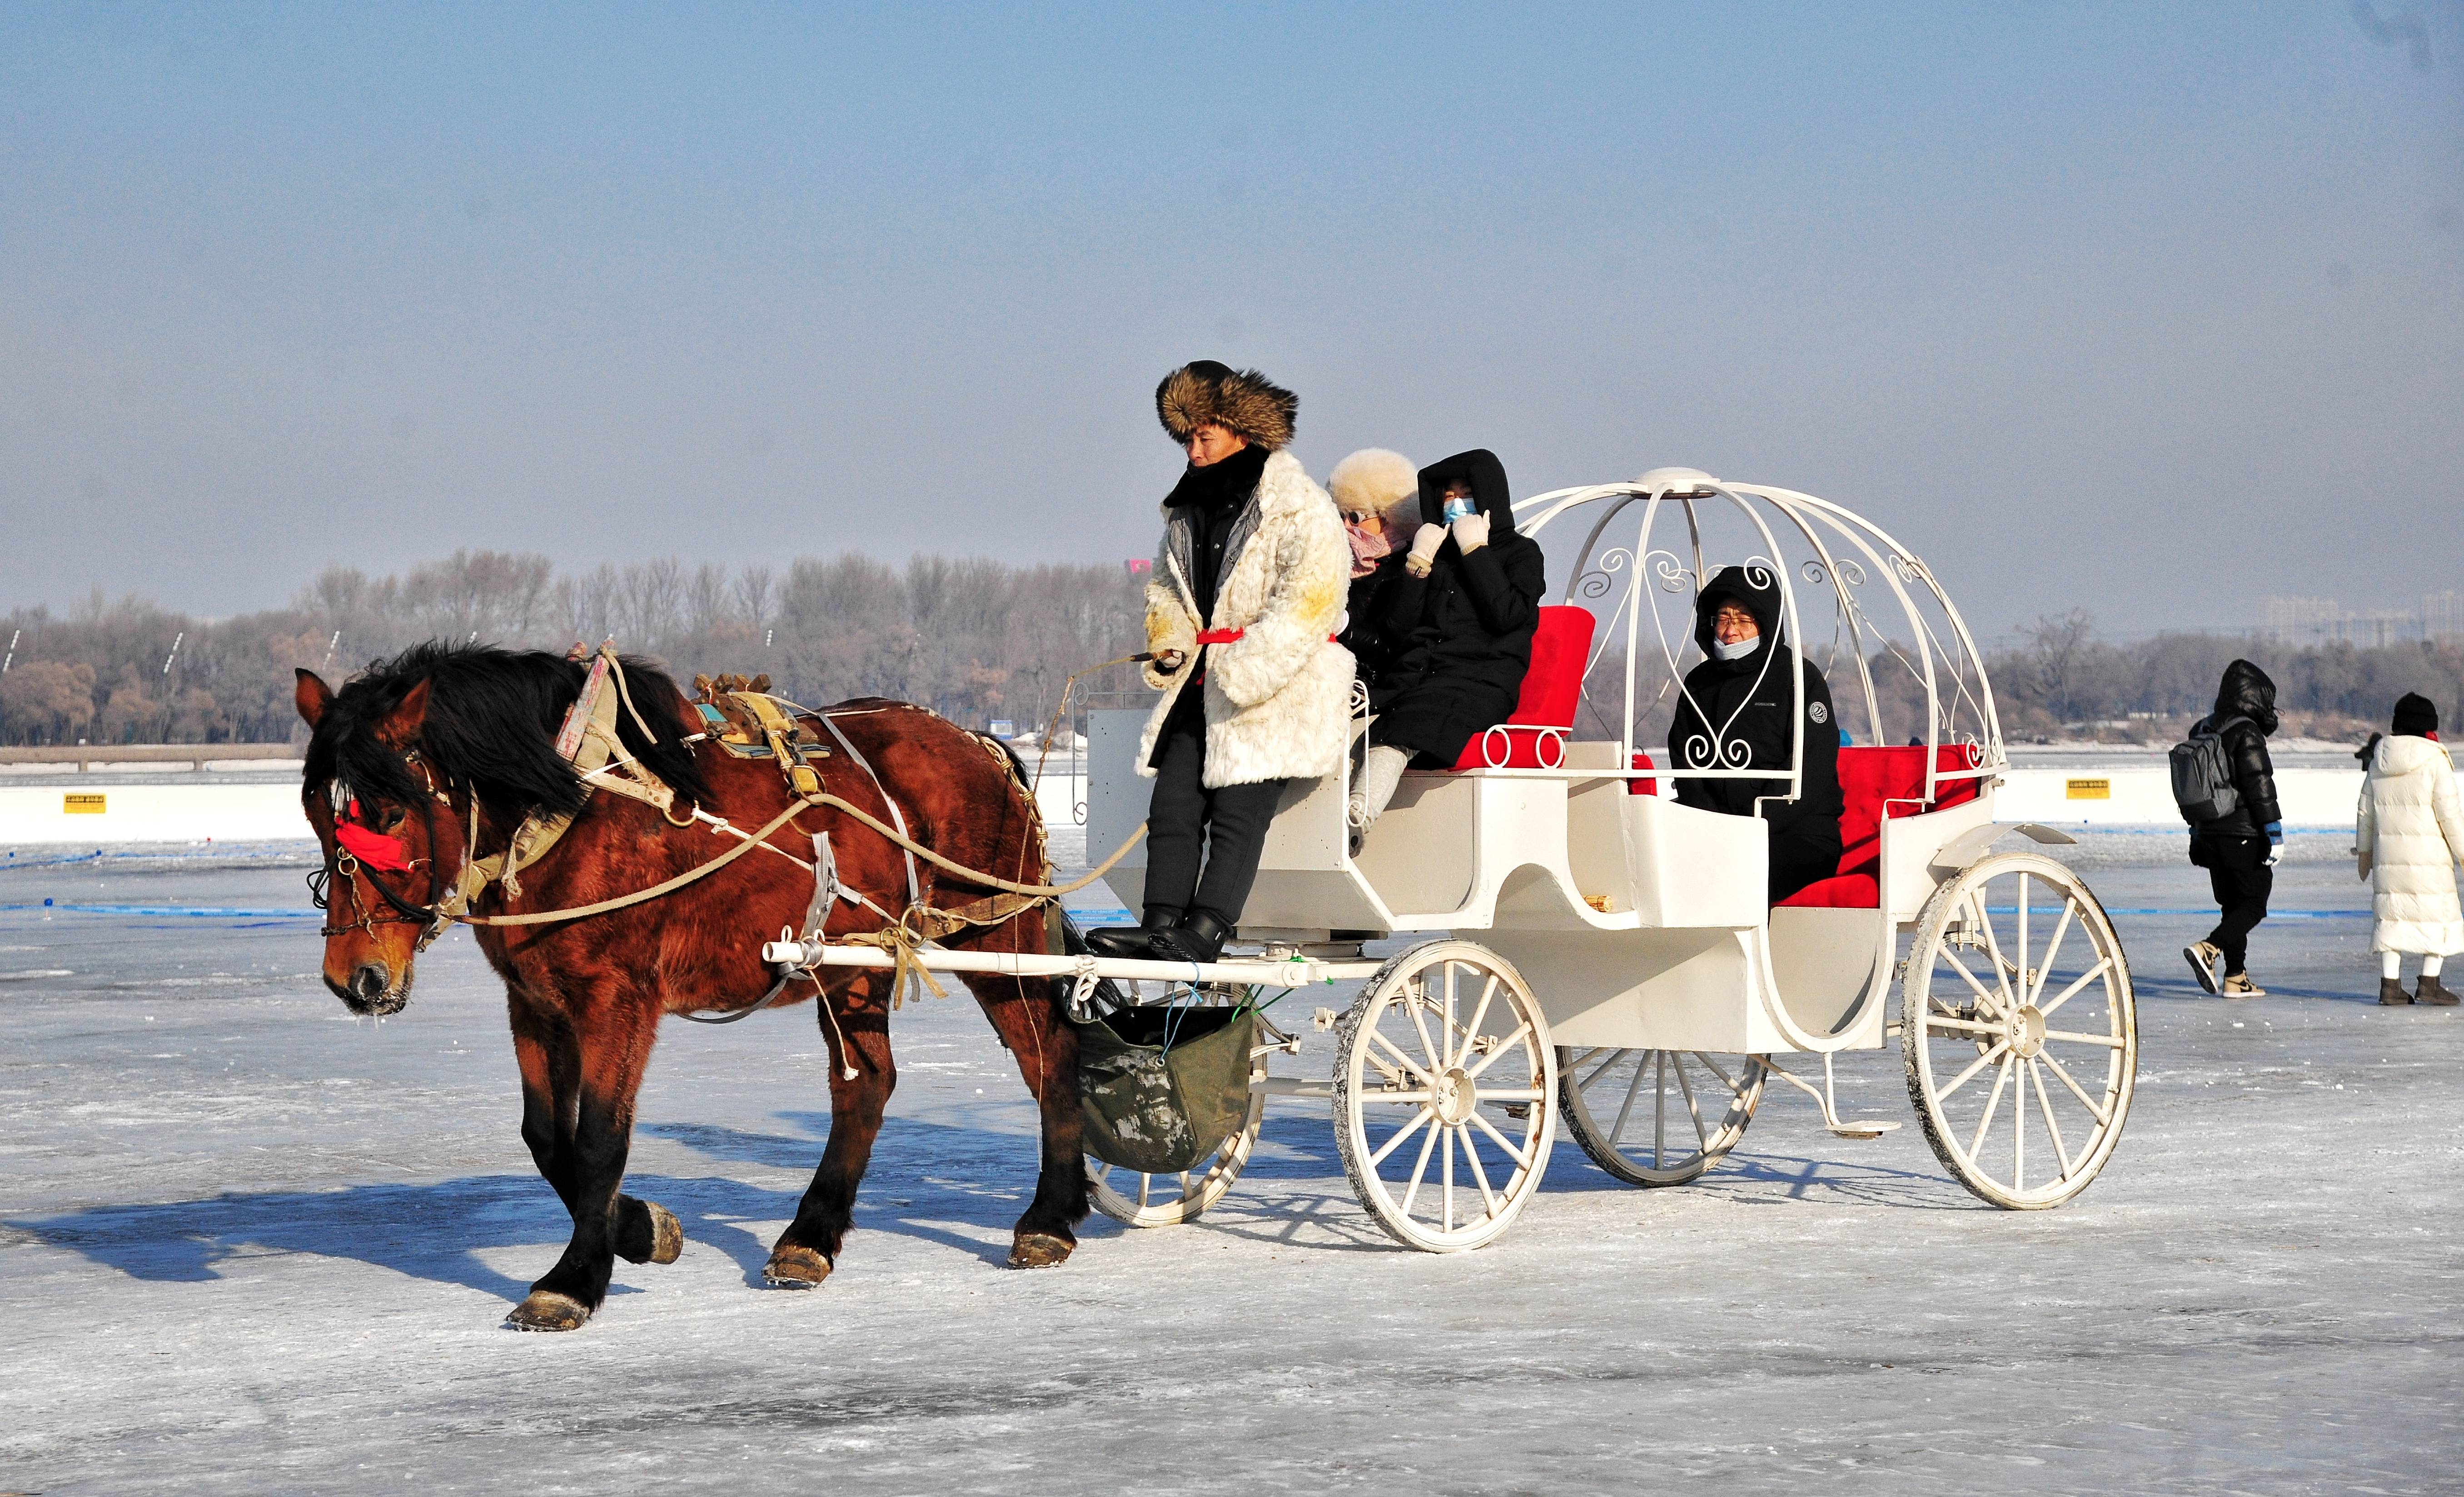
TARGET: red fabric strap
(374,848)
(1220,636)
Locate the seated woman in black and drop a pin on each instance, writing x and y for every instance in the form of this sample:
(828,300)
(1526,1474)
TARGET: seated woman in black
(1451,638)
(1739,712)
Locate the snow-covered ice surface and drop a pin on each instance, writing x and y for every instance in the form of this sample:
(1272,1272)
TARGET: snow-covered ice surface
(249,1244)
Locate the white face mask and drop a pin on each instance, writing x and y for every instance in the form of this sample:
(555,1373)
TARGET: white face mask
(1738,650)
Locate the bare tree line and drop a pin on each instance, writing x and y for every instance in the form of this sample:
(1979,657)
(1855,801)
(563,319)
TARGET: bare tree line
(976,639)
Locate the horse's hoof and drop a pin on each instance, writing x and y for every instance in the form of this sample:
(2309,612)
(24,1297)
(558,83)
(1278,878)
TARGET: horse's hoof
(546,1310)
(667,1234)
(1039,1250)
(793,1267)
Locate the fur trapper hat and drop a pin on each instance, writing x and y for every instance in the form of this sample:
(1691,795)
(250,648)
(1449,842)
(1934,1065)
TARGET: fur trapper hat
(1377,481)
(1244,402)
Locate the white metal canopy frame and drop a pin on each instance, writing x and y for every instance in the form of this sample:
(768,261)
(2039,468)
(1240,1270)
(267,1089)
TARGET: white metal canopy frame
(1892,629)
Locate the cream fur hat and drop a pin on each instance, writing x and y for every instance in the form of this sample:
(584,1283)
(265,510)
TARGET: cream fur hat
(1377,481)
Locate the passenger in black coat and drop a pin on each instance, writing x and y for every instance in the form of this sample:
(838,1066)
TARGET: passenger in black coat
(1451,635)
(1446,638)
(2239,850)
(1739,712)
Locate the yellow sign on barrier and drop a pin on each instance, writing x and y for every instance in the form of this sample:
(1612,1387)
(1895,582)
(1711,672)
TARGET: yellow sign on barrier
(79,802)
(2087,789)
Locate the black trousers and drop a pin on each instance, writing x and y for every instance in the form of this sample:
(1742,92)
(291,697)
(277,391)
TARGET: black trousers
(1189,825)
(2241,895)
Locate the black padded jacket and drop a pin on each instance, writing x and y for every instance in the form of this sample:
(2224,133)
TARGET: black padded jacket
(2247,694)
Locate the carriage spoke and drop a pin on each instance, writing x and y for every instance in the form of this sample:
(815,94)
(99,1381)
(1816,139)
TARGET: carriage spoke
(1428,1046)
(1471,1030)
(1146,1183)
(1419,1168)
(1734,1090)
(1521,1159)
(1599,1070)
(1405,1061)
(1512,1094)
(1449,1015)
(1993,949)
(2018,1126)
(1633,1090)
(2053,1126)
(1702,1139)
(1446,1179)
(1991,1002)
(1660,1110)
(2102,1115)
(2053,948)
(2085,978)
(1962,1026)
(2074,1037)
(1981,1062)
(1424,1114)
(1993,1104)
(1479,1170)
(2021,995)
(1502,1047)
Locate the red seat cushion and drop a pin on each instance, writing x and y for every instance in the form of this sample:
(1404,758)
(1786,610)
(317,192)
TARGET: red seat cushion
(1876,781)
(1561,645)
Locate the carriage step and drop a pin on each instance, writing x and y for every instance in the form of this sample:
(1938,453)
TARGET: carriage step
(1862,1127)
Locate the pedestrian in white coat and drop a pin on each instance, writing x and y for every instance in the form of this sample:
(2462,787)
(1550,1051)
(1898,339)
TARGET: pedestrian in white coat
(2409,832)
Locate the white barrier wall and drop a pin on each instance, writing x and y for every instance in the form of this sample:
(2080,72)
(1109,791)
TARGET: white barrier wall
(2319,799)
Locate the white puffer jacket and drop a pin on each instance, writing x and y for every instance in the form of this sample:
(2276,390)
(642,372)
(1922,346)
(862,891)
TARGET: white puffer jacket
(1279,698)
(2411,834)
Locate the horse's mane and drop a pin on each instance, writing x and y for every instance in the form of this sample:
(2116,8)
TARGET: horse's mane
(490,725)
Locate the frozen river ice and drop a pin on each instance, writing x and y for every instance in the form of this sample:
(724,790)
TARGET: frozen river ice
(250,1244)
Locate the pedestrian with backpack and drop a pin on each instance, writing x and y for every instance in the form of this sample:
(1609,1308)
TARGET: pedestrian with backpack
(2410,833)
(2224,784)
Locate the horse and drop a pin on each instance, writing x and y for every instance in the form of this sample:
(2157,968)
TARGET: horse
(440,756)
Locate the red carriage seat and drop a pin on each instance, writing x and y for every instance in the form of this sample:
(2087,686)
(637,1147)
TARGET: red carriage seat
(1875,782)
(1534,737)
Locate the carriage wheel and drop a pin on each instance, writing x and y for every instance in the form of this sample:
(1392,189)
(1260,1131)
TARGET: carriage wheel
(1658,1117)
(1138,1200)
(2020,1032)
(1444,1096)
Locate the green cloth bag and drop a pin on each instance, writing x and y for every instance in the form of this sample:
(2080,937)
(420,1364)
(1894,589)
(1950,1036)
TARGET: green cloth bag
(1159,1110)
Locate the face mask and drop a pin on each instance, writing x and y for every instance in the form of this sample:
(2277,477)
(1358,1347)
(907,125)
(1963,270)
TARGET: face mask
(1738,650)
(1456,508)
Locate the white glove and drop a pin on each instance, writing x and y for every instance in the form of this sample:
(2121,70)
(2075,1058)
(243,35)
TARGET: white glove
(1424,549)
(2274,854)
(1471,531)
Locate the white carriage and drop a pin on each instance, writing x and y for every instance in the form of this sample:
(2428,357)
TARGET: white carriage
(1603,953)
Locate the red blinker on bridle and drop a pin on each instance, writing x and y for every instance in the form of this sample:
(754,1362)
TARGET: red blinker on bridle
(365,850)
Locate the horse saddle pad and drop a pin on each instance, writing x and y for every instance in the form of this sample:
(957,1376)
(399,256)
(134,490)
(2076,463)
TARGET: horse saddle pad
(747,724)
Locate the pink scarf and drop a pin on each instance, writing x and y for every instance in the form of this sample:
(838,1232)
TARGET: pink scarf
(1368,547)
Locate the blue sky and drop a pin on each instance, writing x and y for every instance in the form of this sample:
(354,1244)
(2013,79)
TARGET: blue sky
(2149,310)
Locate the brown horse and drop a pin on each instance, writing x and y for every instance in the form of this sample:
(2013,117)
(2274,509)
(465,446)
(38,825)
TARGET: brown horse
(446,751)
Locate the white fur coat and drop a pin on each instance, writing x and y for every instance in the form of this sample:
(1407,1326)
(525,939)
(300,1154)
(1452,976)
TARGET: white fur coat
(2410,830)
(1279,698)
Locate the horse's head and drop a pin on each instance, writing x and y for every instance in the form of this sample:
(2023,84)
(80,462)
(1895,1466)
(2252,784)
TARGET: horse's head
(418,760)
(391,838)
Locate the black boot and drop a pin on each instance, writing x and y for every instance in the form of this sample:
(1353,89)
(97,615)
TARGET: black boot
(1200,937)
(2391,993)
(1134,941)
(2429,990)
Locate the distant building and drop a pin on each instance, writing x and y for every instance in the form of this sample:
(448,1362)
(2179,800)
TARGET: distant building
(2324,621)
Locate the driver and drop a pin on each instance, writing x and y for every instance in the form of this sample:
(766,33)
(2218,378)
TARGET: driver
(1739,712)
(1240,616)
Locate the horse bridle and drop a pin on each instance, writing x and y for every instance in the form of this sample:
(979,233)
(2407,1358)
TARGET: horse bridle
(397,910)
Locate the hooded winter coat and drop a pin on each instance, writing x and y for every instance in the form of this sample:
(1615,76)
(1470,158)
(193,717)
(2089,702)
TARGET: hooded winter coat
(2240,840)
(1742,715)
(2409,831)
(1277,699)
(1450,648)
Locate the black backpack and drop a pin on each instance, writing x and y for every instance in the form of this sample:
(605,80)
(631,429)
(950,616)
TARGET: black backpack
(2203,783)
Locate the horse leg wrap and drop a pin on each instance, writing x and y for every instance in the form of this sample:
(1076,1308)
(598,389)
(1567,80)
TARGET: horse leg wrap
(793,1267)
(1039,1250)
(546,1310)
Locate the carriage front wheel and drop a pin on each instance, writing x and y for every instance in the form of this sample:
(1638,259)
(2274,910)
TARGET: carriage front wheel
(1445,1096)
(2019,1031)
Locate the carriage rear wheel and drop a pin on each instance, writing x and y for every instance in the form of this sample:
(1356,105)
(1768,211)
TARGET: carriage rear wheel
(2020,1030)
(1446,1096)
(1658,1117)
